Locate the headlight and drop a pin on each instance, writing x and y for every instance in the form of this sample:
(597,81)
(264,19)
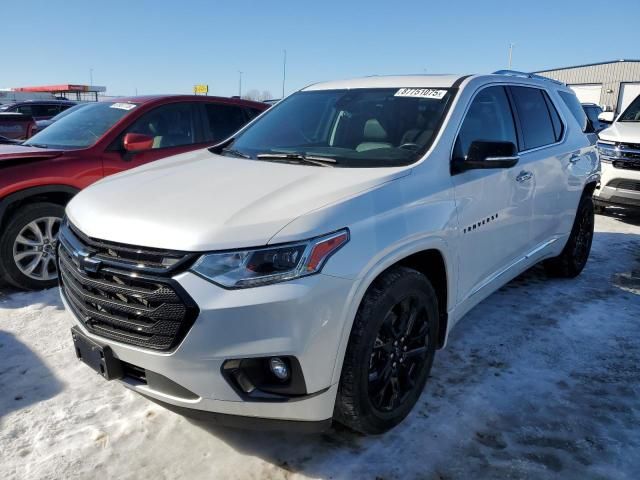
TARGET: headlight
(262,266)
(608,151)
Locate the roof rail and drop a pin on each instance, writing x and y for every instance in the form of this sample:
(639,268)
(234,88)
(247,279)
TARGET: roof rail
(515,73)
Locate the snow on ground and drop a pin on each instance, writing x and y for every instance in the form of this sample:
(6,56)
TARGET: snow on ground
(541,380)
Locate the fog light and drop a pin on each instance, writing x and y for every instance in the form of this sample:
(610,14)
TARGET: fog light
(279,368)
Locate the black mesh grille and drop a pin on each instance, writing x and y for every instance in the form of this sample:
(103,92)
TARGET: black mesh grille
(125,293)
(625,184)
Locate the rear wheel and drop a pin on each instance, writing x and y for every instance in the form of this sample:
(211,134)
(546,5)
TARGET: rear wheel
(390,352)
(28,246)
(575,254)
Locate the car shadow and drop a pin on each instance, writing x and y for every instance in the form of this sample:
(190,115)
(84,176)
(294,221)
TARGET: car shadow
(24,378)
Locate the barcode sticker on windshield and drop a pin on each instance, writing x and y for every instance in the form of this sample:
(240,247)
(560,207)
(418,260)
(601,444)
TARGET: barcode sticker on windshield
(421,93)
(124,106)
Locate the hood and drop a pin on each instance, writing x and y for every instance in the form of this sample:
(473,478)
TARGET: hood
(199,201)
(16,152)
(627,132)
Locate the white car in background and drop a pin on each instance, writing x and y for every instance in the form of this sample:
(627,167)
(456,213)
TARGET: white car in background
(619,149)
(309,267)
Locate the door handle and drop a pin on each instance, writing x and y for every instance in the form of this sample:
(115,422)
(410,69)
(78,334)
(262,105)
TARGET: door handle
(575,158)
(524,176)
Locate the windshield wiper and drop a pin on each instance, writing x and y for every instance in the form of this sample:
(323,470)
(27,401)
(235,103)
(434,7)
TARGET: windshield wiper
(298,157)
(235,153)
(36,145)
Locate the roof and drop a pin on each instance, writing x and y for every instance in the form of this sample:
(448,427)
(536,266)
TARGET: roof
(391,81)
(45,101)
(587,65)
(197,98)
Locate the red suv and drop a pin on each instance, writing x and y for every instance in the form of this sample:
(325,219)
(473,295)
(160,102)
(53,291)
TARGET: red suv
(39,176)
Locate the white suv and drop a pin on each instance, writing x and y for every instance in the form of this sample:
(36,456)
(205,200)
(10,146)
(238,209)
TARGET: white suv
(619,148)
(308,268)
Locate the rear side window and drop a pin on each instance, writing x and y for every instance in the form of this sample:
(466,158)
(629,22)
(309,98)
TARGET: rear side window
(224,120)
(572,102)
(489,118)
(40,110)
(535,120)
(556,121)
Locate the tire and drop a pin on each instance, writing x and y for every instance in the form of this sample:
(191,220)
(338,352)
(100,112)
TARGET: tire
(575,254)
(17,256)
(363,402)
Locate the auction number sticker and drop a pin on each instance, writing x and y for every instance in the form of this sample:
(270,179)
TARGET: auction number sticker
(421,93)
(124,106)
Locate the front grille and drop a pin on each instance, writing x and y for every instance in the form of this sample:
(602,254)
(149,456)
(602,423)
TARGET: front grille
(629,152)
(125,293)
(625,184)
(627,164)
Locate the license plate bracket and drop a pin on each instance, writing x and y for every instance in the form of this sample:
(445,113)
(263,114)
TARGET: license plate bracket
(99,357)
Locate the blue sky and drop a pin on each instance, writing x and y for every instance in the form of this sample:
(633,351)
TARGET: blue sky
(167,46)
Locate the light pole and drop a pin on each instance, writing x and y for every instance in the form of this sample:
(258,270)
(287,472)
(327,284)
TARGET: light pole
(91,77)
(284,71)
(240,83)
(510,54)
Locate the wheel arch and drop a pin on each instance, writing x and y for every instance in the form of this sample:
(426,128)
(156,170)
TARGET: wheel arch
(590,188)
(60,194)
(430,259)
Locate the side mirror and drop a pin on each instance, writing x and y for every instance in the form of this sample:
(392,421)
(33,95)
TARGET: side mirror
(606,117)
(482,155)
(137,142)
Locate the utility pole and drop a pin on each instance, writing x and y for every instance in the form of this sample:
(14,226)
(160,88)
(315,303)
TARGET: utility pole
(284,71)
(240,84)
(510,54)
(91,77)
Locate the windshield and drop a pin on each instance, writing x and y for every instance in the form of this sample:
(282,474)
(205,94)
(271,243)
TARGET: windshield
(68,111)
(632,113)
(353,128)
(82,128)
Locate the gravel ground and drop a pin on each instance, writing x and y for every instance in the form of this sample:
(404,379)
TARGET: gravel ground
(542,380)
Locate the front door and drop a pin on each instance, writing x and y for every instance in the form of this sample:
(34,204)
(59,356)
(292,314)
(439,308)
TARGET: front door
(494,205)
(174,128)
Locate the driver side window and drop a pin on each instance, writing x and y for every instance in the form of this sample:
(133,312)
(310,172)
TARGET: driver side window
(170,125)
(489,118)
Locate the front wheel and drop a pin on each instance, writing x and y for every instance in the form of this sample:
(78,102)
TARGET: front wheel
(28,246)
(575,254)
(390,352)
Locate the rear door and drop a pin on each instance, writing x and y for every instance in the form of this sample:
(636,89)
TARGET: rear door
(223,120)
(542,130)
(494,205)
(175,128)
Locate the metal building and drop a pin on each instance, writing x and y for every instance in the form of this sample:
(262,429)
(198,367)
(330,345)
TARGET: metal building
(612,85)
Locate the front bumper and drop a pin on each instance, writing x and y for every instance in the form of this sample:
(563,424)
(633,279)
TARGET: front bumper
(618,187)
(302,318)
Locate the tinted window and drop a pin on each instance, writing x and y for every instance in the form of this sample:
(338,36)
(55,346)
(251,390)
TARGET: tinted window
(537,128)
(39,110)
(224,120)
(169,125)
(489,118)
(558,128)
(575,107)
(252,113)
